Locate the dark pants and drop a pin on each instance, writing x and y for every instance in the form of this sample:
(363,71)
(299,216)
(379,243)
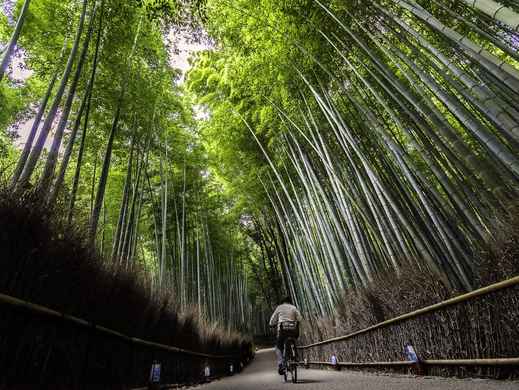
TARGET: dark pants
(280,341)
(281,337)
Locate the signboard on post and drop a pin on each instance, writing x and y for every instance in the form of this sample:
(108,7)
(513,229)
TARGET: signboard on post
(334,361)
(155,375)
(411,353)
(207,371)
(412,356)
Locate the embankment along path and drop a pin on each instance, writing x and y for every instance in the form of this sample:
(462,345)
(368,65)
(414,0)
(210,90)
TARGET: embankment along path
(261,374)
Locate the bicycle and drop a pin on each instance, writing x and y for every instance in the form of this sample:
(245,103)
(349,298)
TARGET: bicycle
(290,331)
(290,360)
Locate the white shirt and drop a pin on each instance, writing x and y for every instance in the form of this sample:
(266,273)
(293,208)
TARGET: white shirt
(285,312)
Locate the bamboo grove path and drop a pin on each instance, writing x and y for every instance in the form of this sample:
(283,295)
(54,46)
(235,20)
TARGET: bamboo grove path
(262,375)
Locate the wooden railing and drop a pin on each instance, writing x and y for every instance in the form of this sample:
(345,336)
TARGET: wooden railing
(42,310)
(151,351)
(471,296)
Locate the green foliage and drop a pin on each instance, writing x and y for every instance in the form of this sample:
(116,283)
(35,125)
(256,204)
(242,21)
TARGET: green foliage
(157,132)
(339,139)
(4,28)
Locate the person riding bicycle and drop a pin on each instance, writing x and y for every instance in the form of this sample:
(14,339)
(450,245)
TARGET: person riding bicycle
(285,313)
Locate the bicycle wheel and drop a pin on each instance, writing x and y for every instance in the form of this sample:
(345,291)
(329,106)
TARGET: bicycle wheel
(293,362)
(285,362)
(294,373)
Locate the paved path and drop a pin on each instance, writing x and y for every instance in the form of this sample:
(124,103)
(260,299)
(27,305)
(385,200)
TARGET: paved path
(262,375)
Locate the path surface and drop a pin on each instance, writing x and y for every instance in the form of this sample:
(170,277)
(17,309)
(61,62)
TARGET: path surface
(262,375)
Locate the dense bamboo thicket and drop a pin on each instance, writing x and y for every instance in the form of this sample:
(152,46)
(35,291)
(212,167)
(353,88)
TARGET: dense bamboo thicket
(399,147)
(382,136)
(426,160)
(111,142)
(107,212)
(315,148)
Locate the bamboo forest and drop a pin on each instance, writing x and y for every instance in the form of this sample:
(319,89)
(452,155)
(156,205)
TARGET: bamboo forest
(173,169)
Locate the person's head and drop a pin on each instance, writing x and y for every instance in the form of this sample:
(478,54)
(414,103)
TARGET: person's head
(287,299)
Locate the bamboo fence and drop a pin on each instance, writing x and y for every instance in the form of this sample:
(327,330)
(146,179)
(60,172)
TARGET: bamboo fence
(453,323)
(185,366)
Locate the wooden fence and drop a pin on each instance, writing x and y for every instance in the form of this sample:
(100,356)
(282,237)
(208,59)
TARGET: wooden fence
(48,347)
(474,334)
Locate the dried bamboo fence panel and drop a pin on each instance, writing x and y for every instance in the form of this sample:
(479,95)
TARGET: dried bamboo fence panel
(42,346)
(478,325)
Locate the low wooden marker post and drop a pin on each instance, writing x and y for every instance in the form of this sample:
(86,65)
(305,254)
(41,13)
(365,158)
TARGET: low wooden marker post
(154,383)
(413,357)
(334,361)
(207,372)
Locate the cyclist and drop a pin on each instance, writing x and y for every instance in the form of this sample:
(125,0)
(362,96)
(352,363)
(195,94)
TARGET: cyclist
(286,312)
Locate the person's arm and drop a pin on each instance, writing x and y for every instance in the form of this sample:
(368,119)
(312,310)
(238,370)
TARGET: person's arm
(275,317)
